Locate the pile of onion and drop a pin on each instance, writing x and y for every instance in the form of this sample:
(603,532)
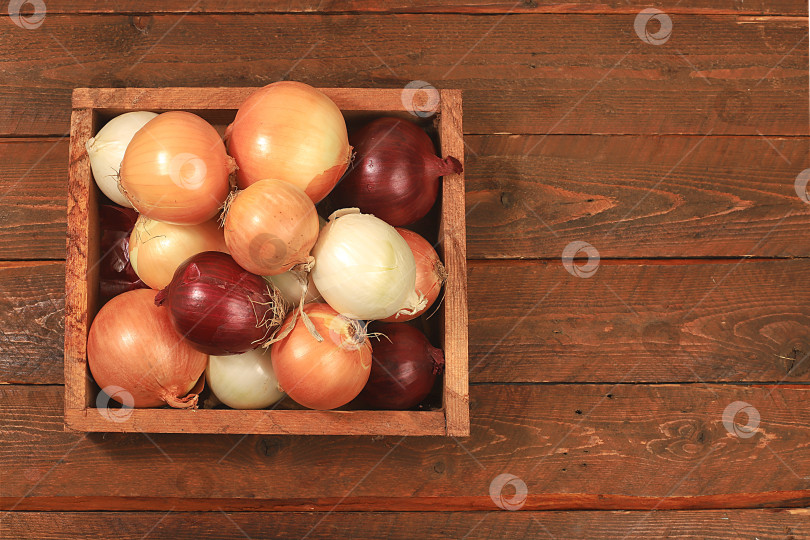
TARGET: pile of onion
(219,307)
(395,175)
(270,227)
(292,132)
(176,170)
(430,273)
(364,268)
(323,373)
(404,369)
(156,248)
(133,346)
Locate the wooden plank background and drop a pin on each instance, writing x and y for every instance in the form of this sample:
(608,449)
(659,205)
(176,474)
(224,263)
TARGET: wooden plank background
(604,395)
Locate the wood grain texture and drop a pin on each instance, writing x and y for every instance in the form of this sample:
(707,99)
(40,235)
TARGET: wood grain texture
(772,7)
(636,321)
(33,191)
(637,196)
(628,196)
(81,262)
(453,247)
(534,322)
(574,446)
(521,73)
(32,301)
(715,524)
(219,421)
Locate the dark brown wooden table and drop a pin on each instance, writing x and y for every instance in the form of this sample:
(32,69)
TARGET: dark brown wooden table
(664,395)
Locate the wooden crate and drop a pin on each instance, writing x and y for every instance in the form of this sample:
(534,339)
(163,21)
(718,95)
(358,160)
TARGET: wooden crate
(91,106)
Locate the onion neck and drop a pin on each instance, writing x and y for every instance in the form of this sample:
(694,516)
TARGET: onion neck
(437,356)
(187,402)
(437,166)
(161,296)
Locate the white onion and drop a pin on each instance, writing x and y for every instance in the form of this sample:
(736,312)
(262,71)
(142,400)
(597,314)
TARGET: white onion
(244,381)
(291,287)
(364,269)
(106,150)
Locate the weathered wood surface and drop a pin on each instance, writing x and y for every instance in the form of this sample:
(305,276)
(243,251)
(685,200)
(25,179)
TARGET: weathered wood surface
(574,446)
(770,7)
(635,322)
(637,196)
(529,196)
(520,74)
(32,303)
(33,198)
(642,321)
(715,524)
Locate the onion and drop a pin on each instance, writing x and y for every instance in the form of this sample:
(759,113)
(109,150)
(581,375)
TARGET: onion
(270,227)
(291,286)
(290,131)
(220,308)
(404,368)
(116,274)
(430,273)
(106,150)
(364,268)
(322,374)
(132,345)
(156,248)
(176,169)
(396,172)
(243,381)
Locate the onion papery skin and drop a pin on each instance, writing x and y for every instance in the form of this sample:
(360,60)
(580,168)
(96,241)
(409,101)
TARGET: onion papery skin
(324,374)
(133,345)
(219,307)
(363,268)
(404,369)
(243,381)
(395,174)
(156,248)
(270,227)
(176,169)
(116,274)
(430,273)
(293,132)
(106,150)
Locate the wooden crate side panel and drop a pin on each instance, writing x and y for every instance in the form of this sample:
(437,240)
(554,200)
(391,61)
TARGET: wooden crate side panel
(80,277)
(453,233)
(265,422)
(347,99)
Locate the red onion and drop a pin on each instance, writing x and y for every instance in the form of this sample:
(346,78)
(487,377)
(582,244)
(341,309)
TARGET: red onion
(396,172)
(133,347)
(404,367)
(219,307)
(116,274)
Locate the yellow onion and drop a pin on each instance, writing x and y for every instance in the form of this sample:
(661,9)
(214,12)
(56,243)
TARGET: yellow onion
(176,169)
(156,248)
(293,132)
(270,227)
